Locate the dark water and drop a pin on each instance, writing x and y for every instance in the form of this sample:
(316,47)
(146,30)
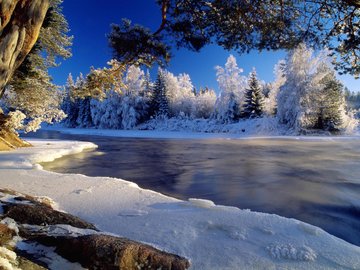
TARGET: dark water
(316,181)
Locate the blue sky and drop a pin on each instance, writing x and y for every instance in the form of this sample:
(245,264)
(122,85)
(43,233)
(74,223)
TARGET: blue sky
(90,20)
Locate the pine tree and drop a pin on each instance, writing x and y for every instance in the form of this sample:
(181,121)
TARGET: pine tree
(159,105)
(254,101)
(83,105)
(70,104)
(329,114)
(84,118)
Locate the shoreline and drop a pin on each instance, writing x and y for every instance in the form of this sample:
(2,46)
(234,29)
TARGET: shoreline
(211,236)
(158,134)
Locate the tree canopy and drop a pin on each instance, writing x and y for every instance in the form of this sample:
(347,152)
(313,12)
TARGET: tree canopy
(245,25)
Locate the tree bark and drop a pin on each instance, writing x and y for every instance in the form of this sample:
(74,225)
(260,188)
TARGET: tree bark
(20,23)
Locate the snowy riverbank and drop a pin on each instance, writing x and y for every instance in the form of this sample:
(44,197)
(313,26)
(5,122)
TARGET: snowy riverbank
(189,134)
(212,237)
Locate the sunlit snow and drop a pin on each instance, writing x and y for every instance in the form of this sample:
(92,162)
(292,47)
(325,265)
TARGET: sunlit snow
(211,236)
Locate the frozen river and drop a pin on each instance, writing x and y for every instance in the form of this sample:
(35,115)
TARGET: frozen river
(316,181)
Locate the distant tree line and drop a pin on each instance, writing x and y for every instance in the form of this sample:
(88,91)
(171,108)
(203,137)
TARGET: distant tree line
(305,95)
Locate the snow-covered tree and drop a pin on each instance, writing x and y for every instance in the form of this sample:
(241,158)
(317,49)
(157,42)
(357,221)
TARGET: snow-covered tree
(42,104)
(84,109)
(171,86)
(270,102)
(134,104)
(294,94)
(186,94)
(331,102)
(204,103)
(159,105)
(311,97)
(232,87)
(69,104)
(254,101)
(107,113)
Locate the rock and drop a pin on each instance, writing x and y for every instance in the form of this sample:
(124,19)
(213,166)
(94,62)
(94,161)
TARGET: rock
(25,264)
(75,242)
(9,139)
(41,214)
(27,209)
(6,234)
(112,253)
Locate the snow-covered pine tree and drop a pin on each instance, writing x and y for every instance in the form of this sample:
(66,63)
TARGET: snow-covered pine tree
(66,101)
(84,118)
(330,100)
(70,105)
(159,105)
(254,101)
(148,85)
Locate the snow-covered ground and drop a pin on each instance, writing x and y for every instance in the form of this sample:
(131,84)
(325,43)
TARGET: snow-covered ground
(211,236)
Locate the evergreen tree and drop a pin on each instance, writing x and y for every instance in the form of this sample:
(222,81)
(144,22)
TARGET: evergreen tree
(331,103)
(84,118)
(159,105)
(253,106)
(83,105)
(68,105)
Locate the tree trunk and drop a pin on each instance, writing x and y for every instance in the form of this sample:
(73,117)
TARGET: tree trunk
(20,23)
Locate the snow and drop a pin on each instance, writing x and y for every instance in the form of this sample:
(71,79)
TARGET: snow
(211,236)
(50,257)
